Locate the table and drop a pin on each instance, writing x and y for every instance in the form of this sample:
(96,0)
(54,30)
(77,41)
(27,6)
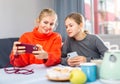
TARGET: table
(38,77)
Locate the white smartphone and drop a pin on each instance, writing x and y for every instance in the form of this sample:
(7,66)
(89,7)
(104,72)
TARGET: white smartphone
(72,54)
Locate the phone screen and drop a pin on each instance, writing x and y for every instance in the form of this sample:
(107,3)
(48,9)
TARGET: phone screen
(72,54)
(28,47)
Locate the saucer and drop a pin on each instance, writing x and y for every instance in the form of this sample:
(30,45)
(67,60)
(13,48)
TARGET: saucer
(110,81)
(58,79)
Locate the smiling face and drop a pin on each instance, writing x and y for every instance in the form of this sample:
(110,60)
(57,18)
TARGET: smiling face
(47,24)
(47,21)
(72,28)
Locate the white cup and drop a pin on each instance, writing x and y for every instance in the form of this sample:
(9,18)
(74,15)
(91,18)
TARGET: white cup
(98,64)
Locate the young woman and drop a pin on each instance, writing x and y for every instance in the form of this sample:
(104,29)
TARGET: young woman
(49,43)
(85,45)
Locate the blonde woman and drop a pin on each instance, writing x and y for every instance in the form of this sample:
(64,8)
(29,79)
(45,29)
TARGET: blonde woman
(43,36)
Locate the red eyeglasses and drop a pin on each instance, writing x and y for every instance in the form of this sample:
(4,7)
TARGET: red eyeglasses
(17,70)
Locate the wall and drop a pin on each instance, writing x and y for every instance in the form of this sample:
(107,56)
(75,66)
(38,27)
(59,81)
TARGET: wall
(18,16)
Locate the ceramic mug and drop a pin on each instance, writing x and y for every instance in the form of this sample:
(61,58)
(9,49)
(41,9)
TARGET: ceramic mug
(98,63)
(90,69)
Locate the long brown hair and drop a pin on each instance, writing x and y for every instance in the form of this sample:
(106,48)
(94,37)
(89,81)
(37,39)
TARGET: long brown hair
(78,18)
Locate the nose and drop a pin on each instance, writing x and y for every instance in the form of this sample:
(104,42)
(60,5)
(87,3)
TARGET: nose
(48,25)
(67,29)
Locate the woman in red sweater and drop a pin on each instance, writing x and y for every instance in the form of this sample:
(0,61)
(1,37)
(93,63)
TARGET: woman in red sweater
(48,42)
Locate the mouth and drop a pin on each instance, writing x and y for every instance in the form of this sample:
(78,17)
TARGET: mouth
(47,30)
(69,33)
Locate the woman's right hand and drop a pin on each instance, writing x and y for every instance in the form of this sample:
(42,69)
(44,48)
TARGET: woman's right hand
(75,61)
(18,49)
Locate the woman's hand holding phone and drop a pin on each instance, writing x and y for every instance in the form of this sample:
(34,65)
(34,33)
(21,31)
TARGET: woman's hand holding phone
(41,53)
(74,59)
(16,50)
(21,48)
(37,50)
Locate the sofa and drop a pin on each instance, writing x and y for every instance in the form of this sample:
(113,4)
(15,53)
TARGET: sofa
(5,49)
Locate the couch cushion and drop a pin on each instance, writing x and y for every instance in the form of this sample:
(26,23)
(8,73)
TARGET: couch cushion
(5,49)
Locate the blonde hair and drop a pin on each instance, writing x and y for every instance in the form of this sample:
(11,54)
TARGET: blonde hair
(46,12)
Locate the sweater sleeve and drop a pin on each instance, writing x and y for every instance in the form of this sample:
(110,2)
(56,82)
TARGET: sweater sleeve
(20,60)
(65,50)
(54,55)
(101,46)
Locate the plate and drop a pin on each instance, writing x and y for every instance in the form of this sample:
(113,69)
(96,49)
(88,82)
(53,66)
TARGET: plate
(58,73)
(110,81)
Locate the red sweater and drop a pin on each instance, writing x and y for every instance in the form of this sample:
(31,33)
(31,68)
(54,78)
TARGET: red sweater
(51,43)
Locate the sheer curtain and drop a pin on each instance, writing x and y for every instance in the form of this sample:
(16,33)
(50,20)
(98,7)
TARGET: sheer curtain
(65,7)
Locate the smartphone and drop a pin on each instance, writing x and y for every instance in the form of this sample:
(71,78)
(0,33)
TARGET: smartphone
(28,47)
(72,54)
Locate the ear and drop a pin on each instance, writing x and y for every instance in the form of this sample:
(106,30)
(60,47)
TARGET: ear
(81,24)
(37,21)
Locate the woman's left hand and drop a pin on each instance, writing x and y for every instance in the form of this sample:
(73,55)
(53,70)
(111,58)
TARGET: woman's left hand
(40,54)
